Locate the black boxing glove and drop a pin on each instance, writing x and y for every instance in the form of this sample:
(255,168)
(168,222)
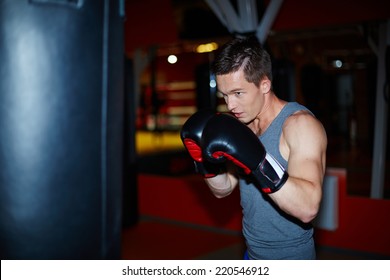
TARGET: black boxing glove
(226,138)
(191,133)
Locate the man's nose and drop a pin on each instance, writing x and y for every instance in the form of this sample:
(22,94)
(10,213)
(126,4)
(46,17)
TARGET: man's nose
(230,103)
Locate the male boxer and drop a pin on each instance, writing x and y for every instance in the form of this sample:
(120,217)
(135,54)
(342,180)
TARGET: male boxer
(277,148)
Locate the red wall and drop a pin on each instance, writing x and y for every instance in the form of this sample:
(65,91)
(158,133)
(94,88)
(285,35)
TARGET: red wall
(363,225)
(187,199)
(147,23)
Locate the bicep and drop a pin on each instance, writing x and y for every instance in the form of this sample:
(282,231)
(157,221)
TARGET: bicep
(302,194)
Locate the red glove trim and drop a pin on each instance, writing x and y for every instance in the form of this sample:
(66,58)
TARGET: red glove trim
(266,190)
(194,149)
(219,154)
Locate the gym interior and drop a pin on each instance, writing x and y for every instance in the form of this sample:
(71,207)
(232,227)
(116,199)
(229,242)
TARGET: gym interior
(93,95)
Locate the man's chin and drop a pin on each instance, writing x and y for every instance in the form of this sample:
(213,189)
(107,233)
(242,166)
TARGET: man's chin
(246,121)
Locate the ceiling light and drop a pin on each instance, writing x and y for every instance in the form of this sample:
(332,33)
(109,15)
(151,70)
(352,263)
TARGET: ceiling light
(209,47)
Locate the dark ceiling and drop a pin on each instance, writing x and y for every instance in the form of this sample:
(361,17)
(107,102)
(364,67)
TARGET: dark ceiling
(161,22)
(195,19)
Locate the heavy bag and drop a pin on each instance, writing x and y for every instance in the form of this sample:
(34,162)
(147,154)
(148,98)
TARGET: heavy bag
(61,129)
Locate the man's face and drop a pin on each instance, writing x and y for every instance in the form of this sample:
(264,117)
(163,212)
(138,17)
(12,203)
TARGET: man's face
(242,98)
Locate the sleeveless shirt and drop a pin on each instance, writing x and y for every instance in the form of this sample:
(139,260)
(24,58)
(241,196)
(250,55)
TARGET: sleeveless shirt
(269,232)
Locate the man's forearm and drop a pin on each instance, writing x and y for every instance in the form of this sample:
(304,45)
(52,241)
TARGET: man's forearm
(222,185)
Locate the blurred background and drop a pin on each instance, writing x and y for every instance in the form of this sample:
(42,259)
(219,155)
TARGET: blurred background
(325,55)
(94,94)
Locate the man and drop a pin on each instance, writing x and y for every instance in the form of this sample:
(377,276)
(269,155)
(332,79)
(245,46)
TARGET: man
(280,177)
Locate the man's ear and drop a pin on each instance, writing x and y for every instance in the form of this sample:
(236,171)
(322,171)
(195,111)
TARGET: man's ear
(265,86)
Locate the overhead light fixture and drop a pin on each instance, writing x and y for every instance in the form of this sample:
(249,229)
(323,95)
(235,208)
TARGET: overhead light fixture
(337,63)
(209,47)
(172,59)
(213,83)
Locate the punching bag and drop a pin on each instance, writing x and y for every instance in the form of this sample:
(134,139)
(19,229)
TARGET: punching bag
(61,129)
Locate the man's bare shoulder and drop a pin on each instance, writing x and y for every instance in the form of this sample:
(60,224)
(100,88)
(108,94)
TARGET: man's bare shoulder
(302,118)
(303,124)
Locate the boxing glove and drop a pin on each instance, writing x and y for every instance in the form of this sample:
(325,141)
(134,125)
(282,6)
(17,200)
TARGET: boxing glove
(226,138)
(190,134)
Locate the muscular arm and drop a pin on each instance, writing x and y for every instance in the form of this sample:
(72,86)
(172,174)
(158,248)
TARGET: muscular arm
(303,143)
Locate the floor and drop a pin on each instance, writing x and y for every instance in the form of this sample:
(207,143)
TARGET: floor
(161,239)
(157,239)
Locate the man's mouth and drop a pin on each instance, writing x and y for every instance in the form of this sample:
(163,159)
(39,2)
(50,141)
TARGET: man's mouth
(237,115)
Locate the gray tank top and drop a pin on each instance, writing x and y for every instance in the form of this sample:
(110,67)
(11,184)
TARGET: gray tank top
(269,232)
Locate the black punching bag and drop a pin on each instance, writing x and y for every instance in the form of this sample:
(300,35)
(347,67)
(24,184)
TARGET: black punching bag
(61,129)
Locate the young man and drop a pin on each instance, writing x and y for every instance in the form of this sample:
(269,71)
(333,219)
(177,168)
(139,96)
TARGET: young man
(280,177)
